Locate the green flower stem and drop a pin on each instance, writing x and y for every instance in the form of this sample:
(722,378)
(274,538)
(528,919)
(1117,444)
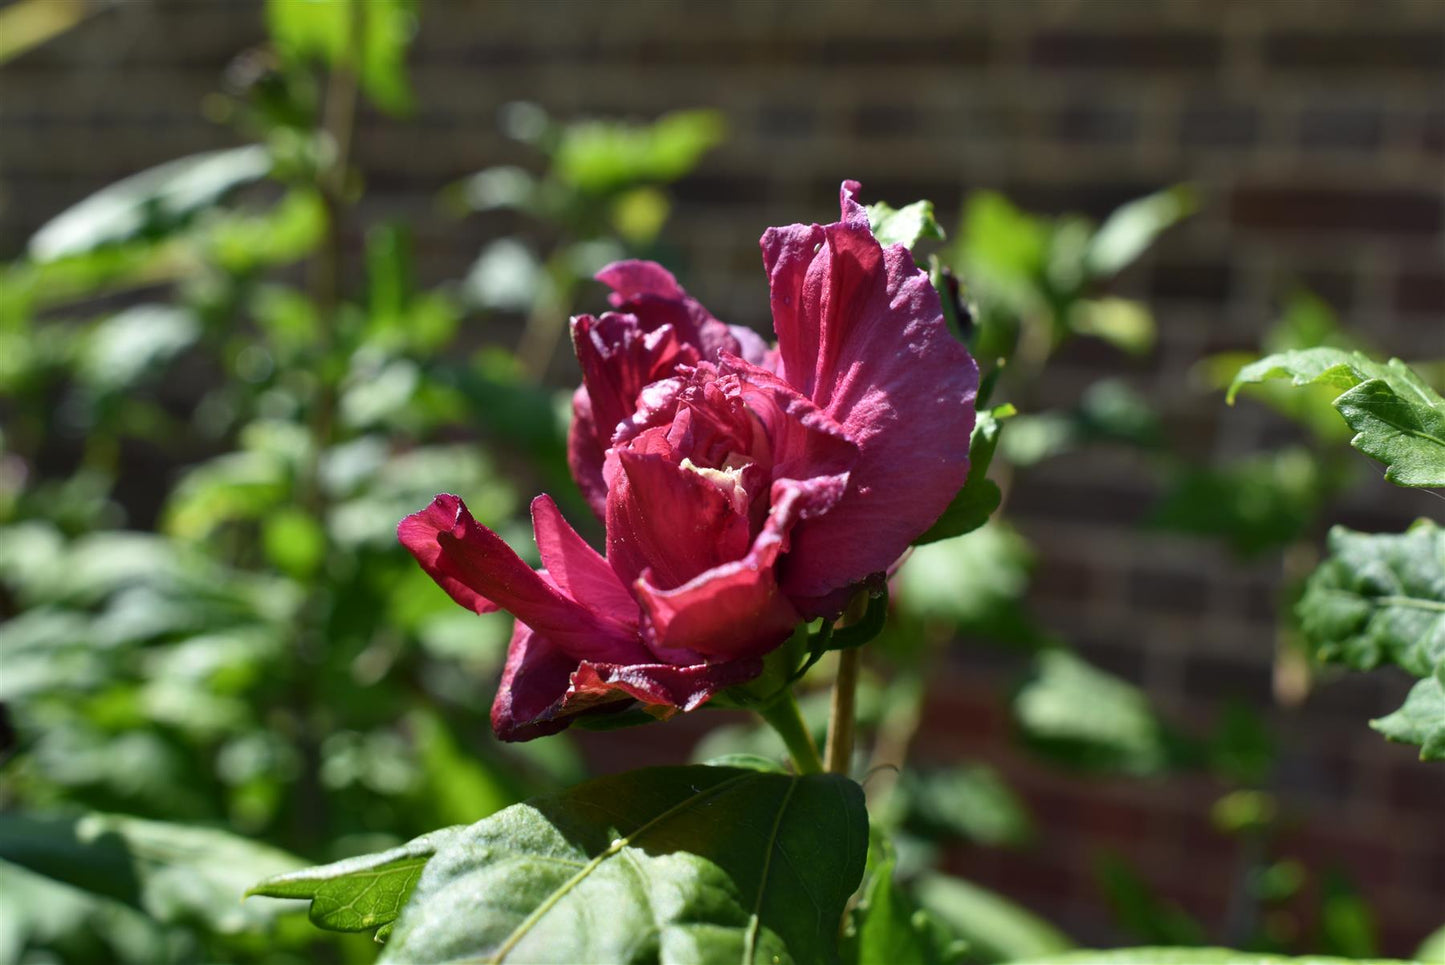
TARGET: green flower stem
(783,716)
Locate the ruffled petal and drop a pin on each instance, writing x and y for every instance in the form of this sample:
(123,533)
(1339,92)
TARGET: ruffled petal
(586,454)
(861,332)
(734,609)
(579,570)
(650,292)
(481,572)
(666,519)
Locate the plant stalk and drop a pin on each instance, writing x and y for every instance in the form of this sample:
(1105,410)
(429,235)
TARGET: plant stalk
(839,754)
(783,716)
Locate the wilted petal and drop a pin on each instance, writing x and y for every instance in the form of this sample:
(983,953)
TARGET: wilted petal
(663,689)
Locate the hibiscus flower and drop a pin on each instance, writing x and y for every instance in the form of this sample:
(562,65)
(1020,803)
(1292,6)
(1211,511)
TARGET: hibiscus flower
(744,488)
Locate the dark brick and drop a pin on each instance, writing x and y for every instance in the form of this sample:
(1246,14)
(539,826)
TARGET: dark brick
(1080,503)
(1156,587)
(959,50)
(1062,579)
(1383,210)
(886,120)
(1341,128)
(1214,677)
(786,121)
(1195,281)
(1140,51)
(1432,132)
(1356,50)
(1420,293)
(1094,123)
(1218,124)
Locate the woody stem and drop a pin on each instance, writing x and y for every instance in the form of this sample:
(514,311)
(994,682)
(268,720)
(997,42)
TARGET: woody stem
(839,754)
(785,718)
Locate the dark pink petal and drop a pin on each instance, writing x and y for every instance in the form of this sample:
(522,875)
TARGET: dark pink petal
(650,292)
(586,454)
(481,572)
(543,690)
(579,570)
(534,681)
(665,518)
(861,332)
(734,609)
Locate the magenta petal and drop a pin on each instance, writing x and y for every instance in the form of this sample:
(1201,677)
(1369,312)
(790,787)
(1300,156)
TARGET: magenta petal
(481,572)
(586,454)
(666,519)
(650,292)
(578,569)
(534,682)
(861,331)
(735,609)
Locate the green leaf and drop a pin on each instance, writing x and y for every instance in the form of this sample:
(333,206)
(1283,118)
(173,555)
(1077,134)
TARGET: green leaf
(1420,720)
(361,893)
(980,496)
(172,872)
(968,801)
(1090,718)
(886,927)
(601,157)
(1192,956)
(905,226)
(691,864)
(996,929)
(370,36)
(1132,228)
(1433,948)
(1397,417)
(154,202)
(1380,598)
(1122,322)
(135,342)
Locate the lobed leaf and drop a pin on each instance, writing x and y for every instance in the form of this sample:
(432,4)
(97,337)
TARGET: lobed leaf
(905,226)
(1380,598)
(1398,418)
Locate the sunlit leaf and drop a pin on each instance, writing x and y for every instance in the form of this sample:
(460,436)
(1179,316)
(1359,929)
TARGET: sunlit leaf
(134,342)
(1122,322)
(693,864)
(885,926)
(603,156)
(905,226)
(1378,599)
(152,203)
(368,36)
(361,893)
(1131,229)
(1397,417)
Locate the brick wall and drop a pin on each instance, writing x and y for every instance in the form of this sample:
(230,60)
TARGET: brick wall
(1315,130)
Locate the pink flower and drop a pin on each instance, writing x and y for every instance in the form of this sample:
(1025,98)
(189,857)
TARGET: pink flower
(743,489)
